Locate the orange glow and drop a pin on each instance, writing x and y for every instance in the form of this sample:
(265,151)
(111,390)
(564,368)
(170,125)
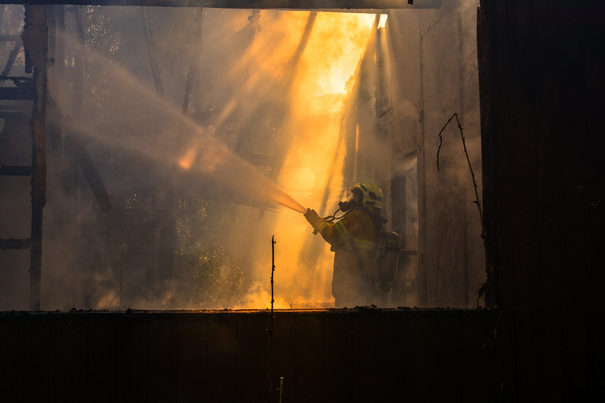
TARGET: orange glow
(315,77)
(335,47)
(260,298)
(186,161)
(323,77)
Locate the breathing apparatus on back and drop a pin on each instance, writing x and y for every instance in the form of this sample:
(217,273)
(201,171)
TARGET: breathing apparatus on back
(368,198)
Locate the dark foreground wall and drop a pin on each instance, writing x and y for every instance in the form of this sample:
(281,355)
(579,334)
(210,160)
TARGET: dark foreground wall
(541,65)
(324,356)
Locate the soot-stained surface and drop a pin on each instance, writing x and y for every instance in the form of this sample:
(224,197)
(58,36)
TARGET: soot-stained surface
(179,356)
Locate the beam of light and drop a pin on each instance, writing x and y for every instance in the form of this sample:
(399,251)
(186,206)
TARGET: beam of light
(323,78)
(207,155)
(317,88)
(382,22)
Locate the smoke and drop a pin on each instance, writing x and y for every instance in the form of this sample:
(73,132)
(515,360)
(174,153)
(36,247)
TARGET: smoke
(213,130)
(440,77)
(264,114)
(171,138)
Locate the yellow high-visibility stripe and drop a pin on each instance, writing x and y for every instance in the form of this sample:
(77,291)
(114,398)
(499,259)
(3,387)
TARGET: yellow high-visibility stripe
(344,234)
(321,226)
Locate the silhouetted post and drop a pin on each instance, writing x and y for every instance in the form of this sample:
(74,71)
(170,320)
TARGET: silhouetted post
(35,42)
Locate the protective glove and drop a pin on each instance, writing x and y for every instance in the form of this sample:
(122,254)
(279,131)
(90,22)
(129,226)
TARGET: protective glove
(313,218)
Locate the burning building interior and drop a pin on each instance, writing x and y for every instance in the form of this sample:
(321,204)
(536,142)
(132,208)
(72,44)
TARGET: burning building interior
(170,172)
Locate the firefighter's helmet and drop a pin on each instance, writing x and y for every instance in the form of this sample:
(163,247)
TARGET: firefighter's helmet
(366,195)
(372,195)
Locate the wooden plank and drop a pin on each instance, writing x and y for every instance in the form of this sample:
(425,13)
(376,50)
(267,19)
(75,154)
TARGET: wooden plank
(192,363)
(480,341)
(102,360)
(308,384)
(218,383)
(281,358)
(173,356)
(389,353)
(250,369)
(552,348)
(72,353)
(162,380)
(365,381)
(39,357)
(596,370)
(338,358)
(133,369)
(12,364)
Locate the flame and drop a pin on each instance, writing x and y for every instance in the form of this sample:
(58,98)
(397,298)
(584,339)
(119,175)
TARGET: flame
(337,43)
(314,161)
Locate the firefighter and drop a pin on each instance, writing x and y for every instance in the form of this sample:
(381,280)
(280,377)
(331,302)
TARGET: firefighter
(353,238)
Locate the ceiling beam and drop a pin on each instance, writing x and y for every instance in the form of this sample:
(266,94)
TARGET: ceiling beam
(251,4)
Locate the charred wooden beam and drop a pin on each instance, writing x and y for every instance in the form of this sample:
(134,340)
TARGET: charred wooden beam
(11,57)
(16,170)
(25,92)
(92,176)
(195,62)
(304,41)
(14,243)
(250,4)
(489,176)
(151,51)
(84,161)
(35,42)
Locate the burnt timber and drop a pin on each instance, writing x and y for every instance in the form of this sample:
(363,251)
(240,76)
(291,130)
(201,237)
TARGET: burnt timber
(251,4)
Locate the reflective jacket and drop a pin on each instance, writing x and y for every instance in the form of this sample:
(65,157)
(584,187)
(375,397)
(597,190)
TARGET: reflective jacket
(353,239)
